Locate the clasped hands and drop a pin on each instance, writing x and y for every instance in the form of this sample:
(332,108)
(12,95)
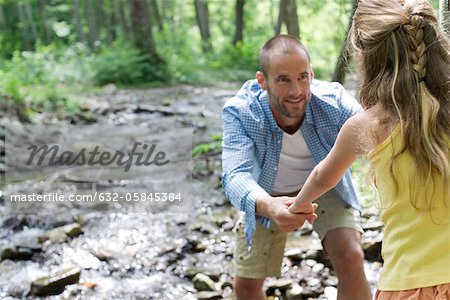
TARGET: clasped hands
(285,214)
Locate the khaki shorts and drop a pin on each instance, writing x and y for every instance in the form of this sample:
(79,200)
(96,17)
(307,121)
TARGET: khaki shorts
(268,244)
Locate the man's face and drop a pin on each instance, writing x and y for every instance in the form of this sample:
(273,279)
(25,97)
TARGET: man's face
(288,85)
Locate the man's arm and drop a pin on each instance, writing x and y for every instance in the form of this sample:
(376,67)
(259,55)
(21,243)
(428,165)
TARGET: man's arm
(239,163)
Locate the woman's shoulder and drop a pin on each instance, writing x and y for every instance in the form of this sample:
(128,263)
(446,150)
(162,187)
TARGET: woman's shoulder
(372,127)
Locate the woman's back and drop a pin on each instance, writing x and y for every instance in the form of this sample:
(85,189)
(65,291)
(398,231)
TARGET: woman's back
(416,243)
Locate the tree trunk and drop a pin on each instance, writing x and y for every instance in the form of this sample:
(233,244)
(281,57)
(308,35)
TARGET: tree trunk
(111,15)
(291,17)
(143,36)
(121,15)
(43,13)
(444,15)
(93,32)
(281,18)
(78,23)
(288,15)
(239,21)
(155,12)
(23,29)
(2,18)
(344,56)
(101,19)
(30,18)
(202,16)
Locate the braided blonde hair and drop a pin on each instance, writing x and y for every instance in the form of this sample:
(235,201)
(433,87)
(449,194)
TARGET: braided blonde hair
(404,63)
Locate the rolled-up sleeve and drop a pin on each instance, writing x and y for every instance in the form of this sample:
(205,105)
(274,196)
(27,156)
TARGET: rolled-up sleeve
(239,166)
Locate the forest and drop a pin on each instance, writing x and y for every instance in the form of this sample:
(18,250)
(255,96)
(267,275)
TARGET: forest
(49,48)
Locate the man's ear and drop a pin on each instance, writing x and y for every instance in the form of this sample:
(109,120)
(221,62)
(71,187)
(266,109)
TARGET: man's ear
(261,80)
(311,72)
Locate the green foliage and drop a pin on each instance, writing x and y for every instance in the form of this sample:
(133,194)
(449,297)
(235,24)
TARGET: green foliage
(123,64)
(215,145)
(31,80)
(118,63)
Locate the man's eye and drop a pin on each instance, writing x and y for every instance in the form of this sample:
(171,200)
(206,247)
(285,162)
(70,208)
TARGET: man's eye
(304,76)
(283,80)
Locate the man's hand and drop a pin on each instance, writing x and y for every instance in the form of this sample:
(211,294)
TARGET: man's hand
(276,208)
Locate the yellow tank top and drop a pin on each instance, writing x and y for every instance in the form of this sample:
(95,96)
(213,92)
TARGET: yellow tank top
(416,245)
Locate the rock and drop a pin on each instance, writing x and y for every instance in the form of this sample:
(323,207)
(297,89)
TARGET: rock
(281,283)
(58,235)
(73,230)
(102,254)
(312,292)
(310,262)
(9,252)
(373,225)
(14,252)
(89,285)
(294,293)
(54,284)
(294,254)
(63,233)
(330,292)
(30,238)
(203,283)
(318,268)
(110,89)
(225,283)
(372,248)
(204,295)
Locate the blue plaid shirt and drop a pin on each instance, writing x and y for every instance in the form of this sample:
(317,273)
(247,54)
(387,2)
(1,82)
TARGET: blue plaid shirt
(252,143)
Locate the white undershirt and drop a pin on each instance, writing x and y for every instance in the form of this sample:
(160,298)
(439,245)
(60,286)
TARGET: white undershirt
(295,164)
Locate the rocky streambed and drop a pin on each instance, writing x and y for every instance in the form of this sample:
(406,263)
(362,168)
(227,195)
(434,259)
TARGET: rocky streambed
(81,253)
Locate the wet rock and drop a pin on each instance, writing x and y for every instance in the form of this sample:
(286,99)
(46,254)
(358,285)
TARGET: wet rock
(58,235)
(294,293)
(330,292)
(330,281)
(294,254)
(223,284)
(189,245)
(102,254)
(63,233)
(312,292)
(372,248)
(281,284)
(205,295)
(54,284)
(73,230)
(22,247)
(318,268)
(31,239)
(373,225)
(202,282)
(15,253)
(310,262)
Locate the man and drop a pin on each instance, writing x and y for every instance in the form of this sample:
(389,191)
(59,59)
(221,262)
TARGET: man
(276,129)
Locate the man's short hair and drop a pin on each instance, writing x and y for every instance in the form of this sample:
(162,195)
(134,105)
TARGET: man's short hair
(282,43)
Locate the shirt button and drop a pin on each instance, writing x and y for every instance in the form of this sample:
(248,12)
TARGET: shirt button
(278,141)
(275,168)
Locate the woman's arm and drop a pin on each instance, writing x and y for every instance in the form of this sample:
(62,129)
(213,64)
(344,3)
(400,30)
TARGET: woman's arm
(328,172)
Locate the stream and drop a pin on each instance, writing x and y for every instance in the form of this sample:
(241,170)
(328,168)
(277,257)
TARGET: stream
(139,247)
